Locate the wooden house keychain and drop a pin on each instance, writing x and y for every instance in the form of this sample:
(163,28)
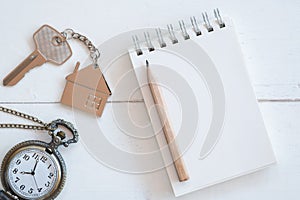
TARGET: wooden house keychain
(86,89)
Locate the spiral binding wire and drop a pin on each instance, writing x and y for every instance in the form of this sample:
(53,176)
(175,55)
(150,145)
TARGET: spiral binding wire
(186,36)
(219,18)
(137,45)
(196,28)
(161,40)
(148,41)
(172,34)
(207,22)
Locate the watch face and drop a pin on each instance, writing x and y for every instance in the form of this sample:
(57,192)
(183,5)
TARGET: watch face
(32,173)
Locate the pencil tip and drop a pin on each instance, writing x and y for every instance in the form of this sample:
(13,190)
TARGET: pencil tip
(147,63)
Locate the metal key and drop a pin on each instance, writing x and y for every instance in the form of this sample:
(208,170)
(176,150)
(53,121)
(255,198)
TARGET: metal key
(51,46)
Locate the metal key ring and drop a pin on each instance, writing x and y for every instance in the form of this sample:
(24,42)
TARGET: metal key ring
(68,33)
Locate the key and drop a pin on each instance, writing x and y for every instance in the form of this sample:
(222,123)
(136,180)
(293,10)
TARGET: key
(51,47)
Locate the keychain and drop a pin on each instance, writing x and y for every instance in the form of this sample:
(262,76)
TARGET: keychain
(34,169)
(86,89)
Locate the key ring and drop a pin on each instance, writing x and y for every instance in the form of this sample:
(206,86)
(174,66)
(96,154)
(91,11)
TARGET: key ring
(67,33)
(95,55)
(94,52)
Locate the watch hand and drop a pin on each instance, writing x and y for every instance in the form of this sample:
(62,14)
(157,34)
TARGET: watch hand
(34,168)
(37,187)
(26,173)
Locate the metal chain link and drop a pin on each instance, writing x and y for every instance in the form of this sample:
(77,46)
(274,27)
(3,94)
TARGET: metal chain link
(94,52)
(25,116)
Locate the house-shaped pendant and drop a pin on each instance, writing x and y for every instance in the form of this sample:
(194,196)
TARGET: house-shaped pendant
(86,90)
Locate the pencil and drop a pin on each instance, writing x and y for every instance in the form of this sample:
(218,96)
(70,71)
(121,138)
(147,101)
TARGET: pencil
(167,128)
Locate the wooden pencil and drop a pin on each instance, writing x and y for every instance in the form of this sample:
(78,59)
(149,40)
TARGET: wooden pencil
(167,128)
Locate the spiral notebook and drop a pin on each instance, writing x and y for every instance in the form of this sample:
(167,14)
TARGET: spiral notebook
(210,101)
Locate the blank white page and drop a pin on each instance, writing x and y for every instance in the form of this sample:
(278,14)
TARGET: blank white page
(211,105)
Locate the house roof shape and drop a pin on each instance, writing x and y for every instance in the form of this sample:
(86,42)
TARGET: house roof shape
(90,77)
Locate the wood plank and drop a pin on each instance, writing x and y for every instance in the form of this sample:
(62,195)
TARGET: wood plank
(277,182)
(268,33)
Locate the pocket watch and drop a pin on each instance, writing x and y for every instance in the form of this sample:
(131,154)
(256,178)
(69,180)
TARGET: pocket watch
(35,169)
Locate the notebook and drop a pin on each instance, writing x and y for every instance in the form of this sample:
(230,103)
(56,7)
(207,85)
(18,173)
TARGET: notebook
(209,99)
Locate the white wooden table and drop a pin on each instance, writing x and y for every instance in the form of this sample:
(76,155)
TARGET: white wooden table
(269,35)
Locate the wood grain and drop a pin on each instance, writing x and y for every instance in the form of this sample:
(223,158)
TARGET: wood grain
(268,32)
